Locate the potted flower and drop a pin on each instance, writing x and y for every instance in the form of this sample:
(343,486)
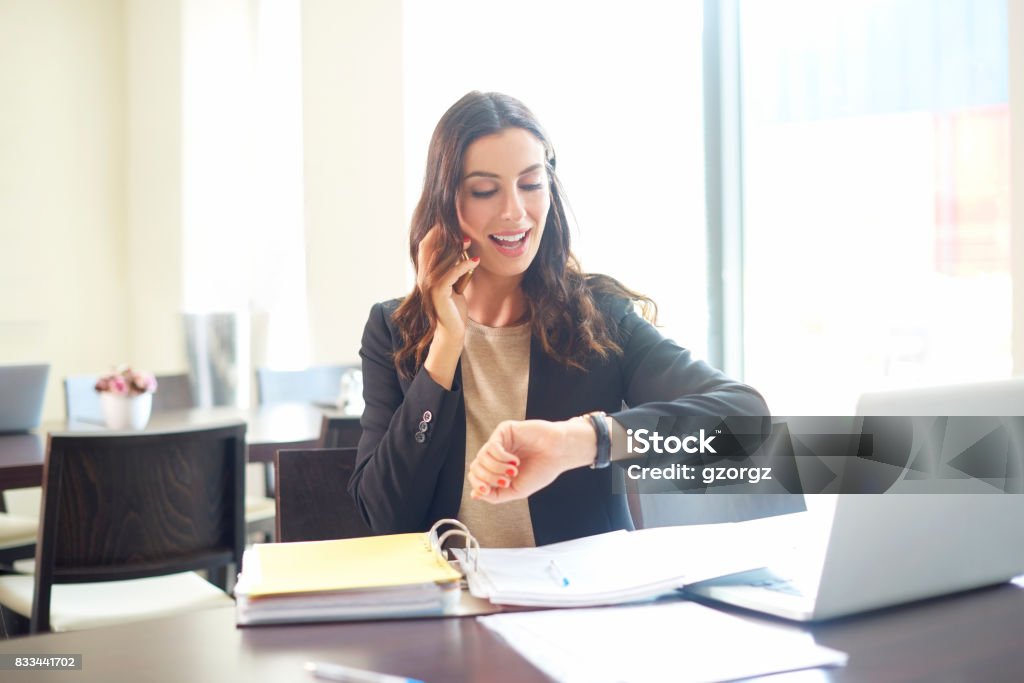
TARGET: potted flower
(126,396)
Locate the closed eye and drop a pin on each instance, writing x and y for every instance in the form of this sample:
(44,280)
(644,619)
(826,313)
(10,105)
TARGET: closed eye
(532,187)
(483,194)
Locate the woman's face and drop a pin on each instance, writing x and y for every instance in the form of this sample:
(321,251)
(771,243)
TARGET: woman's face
(503,200)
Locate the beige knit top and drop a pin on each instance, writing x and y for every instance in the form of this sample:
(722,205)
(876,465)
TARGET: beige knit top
(495,378)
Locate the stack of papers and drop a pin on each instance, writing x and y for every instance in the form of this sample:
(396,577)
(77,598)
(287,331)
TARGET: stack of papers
(616,567)
(678,641)
(376,577)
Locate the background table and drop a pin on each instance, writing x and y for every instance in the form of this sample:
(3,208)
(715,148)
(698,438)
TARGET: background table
(977,636)
(269,428)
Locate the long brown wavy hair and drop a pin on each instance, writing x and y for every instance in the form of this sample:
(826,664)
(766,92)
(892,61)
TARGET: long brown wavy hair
(559,296)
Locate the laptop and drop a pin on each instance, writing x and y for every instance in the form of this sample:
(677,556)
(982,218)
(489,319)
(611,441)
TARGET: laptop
(996,398)
(22,388)
(886,550)
(894,548)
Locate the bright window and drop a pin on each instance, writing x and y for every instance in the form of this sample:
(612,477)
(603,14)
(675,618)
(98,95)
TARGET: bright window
(876,185)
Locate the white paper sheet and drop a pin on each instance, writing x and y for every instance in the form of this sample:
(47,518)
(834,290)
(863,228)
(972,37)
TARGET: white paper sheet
(678,641)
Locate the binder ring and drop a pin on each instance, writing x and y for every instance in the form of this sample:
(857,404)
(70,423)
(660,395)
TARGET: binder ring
(461,530)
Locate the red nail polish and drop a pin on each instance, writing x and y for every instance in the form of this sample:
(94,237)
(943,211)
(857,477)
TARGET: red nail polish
(503,483)
(466,241)
(510,472)
(483,489)
(475,259)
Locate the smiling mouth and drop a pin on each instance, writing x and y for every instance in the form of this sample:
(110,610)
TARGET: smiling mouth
(510,241)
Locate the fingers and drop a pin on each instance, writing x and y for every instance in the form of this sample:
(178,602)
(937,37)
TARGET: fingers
(458,277)
(428,252)
(492,472)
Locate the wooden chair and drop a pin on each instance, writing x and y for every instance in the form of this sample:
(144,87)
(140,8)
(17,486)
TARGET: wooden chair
(133,516)
(174,392)
(313,502)
(18,533)
(17,539)
(317,384)
(340,431)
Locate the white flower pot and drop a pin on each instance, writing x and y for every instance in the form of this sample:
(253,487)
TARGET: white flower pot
(126,411)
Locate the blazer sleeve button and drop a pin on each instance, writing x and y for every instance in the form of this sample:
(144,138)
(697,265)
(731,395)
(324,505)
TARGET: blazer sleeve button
(423,426)
(420,437)
(427,416)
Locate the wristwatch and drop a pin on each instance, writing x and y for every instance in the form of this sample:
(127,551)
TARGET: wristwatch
(604,440)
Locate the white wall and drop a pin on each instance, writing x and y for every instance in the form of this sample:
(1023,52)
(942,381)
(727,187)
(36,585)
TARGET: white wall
(153,183)
(356,234)
(90,186)
(62,202)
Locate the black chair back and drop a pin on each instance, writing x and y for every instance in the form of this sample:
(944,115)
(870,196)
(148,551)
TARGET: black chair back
(132,505)
(313,502)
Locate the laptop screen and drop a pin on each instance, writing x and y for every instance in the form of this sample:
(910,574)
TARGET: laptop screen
(22,388)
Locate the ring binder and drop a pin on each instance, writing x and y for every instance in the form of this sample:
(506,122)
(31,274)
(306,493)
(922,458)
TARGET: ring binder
(472,547)
(373,577)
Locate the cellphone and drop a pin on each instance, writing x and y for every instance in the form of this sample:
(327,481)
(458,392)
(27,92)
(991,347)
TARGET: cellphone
(461,283)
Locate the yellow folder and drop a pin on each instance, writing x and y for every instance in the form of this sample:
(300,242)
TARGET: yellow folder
(349,564)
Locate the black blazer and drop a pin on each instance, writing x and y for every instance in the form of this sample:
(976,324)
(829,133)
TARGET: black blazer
(411,462)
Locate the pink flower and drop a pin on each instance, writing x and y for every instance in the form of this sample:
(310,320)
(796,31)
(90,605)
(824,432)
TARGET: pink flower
(124,380)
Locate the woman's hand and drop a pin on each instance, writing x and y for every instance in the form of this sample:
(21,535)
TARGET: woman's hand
(523,457)
(450,307)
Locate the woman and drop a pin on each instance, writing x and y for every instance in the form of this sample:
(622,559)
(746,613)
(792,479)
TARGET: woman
(470,397)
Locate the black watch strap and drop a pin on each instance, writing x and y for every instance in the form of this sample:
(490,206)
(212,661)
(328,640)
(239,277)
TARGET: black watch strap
(604,440)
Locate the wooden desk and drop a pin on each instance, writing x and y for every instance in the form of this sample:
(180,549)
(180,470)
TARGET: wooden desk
(977,636)
(271,427)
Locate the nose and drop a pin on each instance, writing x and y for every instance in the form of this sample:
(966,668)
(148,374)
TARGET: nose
(514,209)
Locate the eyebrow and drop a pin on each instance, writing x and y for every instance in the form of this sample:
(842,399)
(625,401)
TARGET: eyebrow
(485,174)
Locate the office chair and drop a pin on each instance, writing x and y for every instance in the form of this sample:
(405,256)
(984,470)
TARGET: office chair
(133,516)
(681,507)
(81,402)
(319,384)
(313,502)
(174,392)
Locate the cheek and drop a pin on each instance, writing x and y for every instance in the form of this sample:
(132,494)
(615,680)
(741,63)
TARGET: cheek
(475,217)
(538,208)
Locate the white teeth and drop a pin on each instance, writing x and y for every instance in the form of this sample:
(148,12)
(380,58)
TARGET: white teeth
(510,238)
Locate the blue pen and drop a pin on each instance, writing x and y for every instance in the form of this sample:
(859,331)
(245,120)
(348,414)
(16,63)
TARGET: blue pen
(346,674)
(556,574)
